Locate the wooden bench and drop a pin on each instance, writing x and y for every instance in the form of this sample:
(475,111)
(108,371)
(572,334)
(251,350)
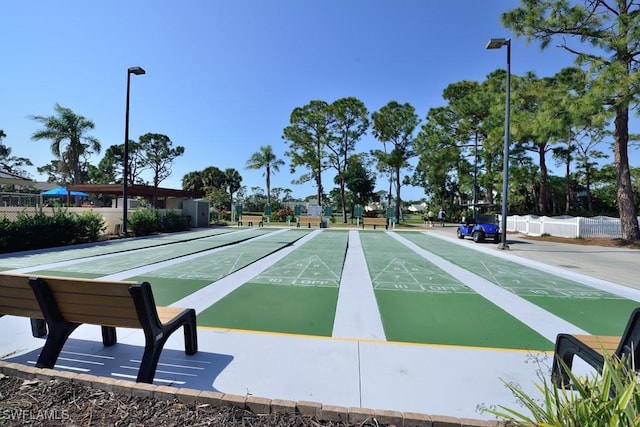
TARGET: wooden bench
(374,222)
(309,220)
(17,299)
(591,349)
(250,220)
(67,303)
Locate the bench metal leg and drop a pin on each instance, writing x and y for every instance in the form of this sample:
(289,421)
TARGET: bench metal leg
(155,343)
(56,339)
(567,346)
(38,328)
(149,362)
(109,336)
(156,333)
(190,333)
(59,328)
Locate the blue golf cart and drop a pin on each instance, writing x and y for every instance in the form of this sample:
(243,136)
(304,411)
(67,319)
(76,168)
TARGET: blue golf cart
(480,228)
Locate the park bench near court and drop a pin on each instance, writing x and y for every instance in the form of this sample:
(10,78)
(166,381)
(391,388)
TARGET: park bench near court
(591,349)
(250,220)
(17,299)
(309,221)
(66,303)
(374,222)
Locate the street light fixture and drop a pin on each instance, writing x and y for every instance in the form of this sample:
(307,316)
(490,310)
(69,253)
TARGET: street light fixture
(125,174)
(497,44)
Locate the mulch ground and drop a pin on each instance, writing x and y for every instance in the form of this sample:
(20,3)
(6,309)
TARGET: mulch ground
(592,241)
(32,402)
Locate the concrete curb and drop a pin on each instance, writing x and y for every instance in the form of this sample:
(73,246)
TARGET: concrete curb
(255,404)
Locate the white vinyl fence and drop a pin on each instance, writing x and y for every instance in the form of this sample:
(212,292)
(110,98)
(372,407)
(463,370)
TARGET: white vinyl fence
(565,226)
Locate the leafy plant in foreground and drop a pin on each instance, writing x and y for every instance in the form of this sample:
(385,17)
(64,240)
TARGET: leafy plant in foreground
(609,399)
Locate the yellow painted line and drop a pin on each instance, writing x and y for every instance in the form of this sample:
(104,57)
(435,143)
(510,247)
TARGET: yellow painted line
(371,341)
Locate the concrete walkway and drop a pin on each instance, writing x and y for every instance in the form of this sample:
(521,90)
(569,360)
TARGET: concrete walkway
(607,263)
(357,367)
(357,314)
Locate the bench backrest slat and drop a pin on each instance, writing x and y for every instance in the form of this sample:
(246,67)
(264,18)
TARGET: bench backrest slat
(16,297)
(94,302)
(107,315)
(312,219)
(375,220)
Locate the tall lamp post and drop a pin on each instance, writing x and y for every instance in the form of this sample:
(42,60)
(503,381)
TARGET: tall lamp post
(125,174)
(497,44)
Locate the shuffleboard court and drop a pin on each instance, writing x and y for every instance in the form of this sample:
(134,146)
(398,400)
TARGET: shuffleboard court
(453,331)
(596,311)
(20,260)
(297,295)
(113,263)
(180,279)
(421,303)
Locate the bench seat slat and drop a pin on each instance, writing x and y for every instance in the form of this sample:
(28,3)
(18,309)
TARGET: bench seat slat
(608,343)
(165,314)
(592,349)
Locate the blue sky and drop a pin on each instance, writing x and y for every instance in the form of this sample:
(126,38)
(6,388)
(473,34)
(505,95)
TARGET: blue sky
(223,76)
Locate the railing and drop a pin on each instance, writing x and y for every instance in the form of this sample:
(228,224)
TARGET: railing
(565,226)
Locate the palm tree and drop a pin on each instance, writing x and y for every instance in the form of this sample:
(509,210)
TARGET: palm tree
(193,181)
(265,158)
(212,177)
(69,143)
(233,182)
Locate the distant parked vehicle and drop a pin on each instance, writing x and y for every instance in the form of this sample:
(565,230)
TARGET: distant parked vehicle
(483,227)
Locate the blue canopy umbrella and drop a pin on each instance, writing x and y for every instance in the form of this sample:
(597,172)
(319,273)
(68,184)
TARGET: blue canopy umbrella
(62,191)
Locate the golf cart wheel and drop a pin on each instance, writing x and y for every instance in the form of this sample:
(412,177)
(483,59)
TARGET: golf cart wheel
(460,235)
(478,236)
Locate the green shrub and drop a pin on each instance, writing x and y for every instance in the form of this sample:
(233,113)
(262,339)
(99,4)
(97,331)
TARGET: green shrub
(171,222)
(89,226)
(609,399)
(64,228)
(39,231)
(6,234)
(143,222)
